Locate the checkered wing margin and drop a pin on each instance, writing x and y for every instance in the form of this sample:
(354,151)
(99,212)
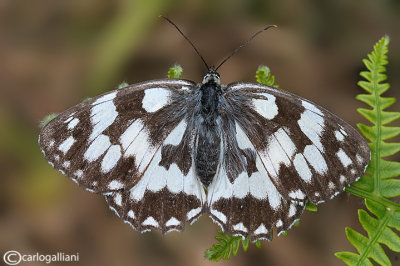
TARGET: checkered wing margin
(124,143)
(279,151)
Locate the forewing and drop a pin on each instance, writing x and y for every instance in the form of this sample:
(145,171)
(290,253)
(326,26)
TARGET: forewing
(307,151)
(105,144)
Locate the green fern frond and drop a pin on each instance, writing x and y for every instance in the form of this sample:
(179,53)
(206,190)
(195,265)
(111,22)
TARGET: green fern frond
(379,184)
(227,245)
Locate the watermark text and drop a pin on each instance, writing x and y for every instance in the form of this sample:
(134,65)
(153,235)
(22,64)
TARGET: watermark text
(13,257)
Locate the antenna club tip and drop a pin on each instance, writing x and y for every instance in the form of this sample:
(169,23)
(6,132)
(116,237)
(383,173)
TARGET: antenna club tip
(271,26)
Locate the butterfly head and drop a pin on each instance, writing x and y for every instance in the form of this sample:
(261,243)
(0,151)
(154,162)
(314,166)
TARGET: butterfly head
(211,76)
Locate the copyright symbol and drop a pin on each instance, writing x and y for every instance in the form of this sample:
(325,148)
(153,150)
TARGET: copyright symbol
(12,257)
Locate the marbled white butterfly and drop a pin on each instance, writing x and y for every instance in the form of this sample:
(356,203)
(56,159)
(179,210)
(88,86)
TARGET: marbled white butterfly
(163,152)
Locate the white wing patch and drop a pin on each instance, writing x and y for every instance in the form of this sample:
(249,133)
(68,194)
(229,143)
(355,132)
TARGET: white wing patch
(240,227)
(192,213)
(73,123)
(312,125)
(151,222)
(118,199)
(155,98)
(111,158)
(275,154)
(131,214)
(66,144)
(135,141)
(292,210)
(103,114)
(105,98)
(285,142)
(175,137)
(258,185)
(97,148)
(298,194)
(302,168)
(261,230)
(339,136)
(266,107)
(115,185)
(242,140)
(261,186)
(131,133)
(343,157)
(172,222)
(311,107)
(240,186)
(315,159)
(157,177)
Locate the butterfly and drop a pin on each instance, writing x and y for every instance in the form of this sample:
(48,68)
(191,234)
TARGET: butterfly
(164,152)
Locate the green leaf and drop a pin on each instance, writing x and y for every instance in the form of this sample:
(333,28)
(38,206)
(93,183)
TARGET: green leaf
(380,211)
(351,258)
(264,76)
(227,246)
(123,85)
(366,248)
(368,132)
(365,183)
(386,117)
(389,132)
(311,207)
(388,169)
(369,99)
(175,72)
(386,235)
(387,149)
(386,102)
(258,244)
(366,98)
(395,220)
(245,243)
(390,188)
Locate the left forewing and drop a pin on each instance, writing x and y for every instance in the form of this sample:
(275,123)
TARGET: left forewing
(106,143)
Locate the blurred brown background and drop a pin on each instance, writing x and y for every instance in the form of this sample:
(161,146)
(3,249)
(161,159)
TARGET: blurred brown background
(53,54)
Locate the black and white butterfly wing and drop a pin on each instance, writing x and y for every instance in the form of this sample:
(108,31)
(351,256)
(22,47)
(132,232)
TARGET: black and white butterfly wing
(114,143)
(279,151)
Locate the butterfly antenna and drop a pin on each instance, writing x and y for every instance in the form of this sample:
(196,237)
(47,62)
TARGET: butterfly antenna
(244,44)
(187,39)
